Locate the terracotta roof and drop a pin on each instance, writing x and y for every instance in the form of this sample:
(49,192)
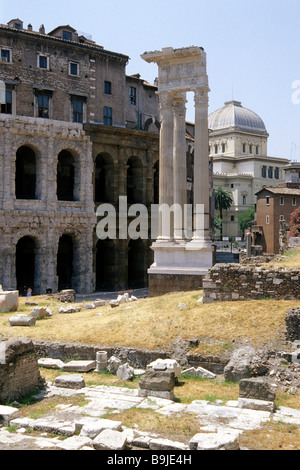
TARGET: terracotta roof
(281,191)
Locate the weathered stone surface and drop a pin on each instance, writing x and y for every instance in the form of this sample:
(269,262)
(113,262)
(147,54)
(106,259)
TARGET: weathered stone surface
(199,372)
(50,363)
(110,440)
(157,380)
(74,443)
(292,321)
(255,404)
(19,371)
(39,313)
(80,366)
(69,309)
(9,301)
(256,388)
(227,440)
(70,381)
(22,320)
(168,395)
(166,444)
(239,364)
(113,364)
(165,364)
(125,372)
(93,429)
(7,413)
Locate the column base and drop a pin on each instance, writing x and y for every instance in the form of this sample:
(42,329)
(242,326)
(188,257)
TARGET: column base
(178,267)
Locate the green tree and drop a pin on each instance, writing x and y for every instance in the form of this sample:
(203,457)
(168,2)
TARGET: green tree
(245,217)
(223,201)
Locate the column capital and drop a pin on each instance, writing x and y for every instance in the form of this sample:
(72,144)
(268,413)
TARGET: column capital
(165,100)
(201,96)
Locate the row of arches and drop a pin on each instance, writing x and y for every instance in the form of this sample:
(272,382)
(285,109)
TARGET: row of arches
(27,184)
(106,264)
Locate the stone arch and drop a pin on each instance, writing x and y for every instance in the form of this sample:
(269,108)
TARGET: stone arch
(104,178)
(105,265)
(135,183)
(137,270)
(150,123)
(27,275)
(26,173)
(65,176)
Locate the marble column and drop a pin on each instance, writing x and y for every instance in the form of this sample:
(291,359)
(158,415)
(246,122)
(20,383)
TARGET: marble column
(201,169)
(179,165)
(166,185)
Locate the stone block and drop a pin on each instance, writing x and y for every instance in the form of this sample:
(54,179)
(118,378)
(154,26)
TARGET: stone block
(39,313)
(165,365)
(256,388)
(125,372)
(215,441)
(113,364)
(7,413)
(50,363)
(161,381)
(9,301)
(74,443)
(80,366)
(93,429)
(110,440)
(166,444)
(22,320)
(70,381)
(258,405)
(168,395)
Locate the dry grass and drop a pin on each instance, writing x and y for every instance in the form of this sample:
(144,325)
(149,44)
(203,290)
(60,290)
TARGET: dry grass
(290,260)
(156,323)
(272,436)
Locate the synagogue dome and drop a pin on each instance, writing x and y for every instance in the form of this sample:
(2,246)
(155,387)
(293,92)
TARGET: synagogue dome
(235,117)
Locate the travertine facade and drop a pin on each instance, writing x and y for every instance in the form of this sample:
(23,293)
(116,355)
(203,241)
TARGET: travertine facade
(72,137)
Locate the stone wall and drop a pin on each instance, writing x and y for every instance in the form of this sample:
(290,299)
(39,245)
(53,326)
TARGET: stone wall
(231,282)
(19,372)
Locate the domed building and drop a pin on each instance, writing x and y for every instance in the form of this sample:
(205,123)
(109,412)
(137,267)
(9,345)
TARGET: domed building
(238,141)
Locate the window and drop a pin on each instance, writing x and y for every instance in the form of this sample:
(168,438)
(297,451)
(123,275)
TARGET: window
(244,148)
(67,35)
(267,200)
(223,148)
(78,104)
(281,200)
(264,171)
(281,218)
(232,218)
(107,116)
(43,62)
(232,185)
(74,68)
(250,148)
(256,149)
(216,149)
(107,88)
(276,173)
(132,95)
(293,201)
(6,55)
(6,108)
(42,103)
(244,200)
(267,220)
(270,172)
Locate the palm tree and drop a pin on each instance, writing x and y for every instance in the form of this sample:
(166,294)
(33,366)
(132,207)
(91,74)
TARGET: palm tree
(223,200)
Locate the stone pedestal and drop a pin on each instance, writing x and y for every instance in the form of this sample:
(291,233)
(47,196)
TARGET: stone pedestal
(183,251)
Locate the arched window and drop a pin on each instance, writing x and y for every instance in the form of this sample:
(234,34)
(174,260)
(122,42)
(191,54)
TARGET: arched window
(65,176)
(65,262)
(25,173)
(25,264)
(134,181)
(104,178)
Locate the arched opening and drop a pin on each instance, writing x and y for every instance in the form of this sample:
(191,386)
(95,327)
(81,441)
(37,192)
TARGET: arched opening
(136,264)
(65,262)
(105,265)
(134,180)
(156,183)
(25,264)
(104,178)
(65,176)
(25,173)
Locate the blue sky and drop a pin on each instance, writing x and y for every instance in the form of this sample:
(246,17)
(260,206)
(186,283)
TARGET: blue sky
(253,47)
